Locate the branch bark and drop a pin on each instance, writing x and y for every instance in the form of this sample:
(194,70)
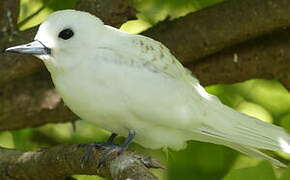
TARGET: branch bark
(60,162)
(266,57)
(114,13)
(26,104)
(12,66)
(205,32)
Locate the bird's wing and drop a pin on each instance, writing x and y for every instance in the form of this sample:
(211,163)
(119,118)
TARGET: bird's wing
(155,56)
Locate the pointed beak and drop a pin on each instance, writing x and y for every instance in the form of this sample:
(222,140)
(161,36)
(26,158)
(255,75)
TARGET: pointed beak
(34,48)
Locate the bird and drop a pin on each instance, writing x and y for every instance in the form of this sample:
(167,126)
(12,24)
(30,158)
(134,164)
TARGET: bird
(133,86)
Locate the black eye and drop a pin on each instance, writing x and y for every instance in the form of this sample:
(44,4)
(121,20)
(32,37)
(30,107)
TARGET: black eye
(66,34)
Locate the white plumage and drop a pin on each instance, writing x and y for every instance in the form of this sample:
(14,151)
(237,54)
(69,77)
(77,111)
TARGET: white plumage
(125,82)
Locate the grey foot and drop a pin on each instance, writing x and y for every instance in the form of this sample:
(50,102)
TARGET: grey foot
(108,147)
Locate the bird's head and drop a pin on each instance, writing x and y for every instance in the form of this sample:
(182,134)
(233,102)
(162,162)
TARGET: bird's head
(64,39)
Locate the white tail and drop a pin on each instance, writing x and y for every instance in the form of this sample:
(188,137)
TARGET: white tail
(204,136)
(243,133)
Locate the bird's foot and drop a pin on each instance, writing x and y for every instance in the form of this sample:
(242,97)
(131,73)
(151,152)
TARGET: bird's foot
(109,148)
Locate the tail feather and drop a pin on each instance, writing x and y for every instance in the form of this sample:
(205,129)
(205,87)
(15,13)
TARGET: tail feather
(243,129)
(211,137)
(262,135)
(225,126)
(257,154)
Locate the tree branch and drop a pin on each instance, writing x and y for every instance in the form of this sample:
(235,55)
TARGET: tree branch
(60,162)
(12,66)
(265,57)
(27,104)
(212,29)
(9,11)
(114,13)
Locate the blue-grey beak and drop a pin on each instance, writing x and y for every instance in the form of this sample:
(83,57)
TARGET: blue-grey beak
(35,48)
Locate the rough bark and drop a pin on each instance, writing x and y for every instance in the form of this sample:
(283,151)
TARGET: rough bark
(212,29)
(60,162)
(12,66)
(267,57)
(25,104)
(114,13)
(8,12)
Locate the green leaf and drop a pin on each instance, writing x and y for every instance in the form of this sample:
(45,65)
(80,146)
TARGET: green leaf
(33,12)
(286,174)
(21,138)
(200,161)
(263,171)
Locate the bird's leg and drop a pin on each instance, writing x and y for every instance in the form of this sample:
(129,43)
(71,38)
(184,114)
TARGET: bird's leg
(118,149)
(109,142)
(112,137)
(90,148)
(128,140)
(109,148)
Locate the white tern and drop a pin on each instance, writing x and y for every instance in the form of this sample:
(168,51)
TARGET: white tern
(124,82)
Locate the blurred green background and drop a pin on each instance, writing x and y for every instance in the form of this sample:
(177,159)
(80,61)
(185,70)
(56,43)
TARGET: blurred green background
(266,99)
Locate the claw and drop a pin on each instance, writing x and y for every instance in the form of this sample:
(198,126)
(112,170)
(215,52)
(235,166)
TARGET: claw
(109,149)
(105,156)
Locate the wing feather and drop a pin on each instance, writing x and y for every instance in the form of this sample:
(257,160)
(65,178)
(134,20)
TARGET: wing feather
(156,57)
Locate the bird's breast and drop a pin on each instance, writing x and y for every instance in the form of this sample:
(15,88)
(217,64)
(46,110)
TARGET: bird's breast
(119,98)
